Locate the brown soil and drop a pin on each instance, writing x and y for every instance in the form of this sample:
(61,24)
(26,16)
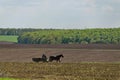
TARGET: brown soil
(72,53)
(5,42)
(65,46)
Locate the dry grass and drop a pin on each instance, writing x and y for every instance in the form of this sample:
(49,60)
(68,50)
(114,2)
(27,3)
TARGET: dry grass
(60,71)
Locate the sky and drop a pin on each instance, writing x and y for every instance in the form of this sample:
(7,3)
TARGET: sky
(60,14)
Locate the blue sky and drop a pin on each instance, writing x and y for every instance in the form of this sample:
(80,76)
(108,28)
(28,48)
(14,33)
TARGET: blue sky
(63,14)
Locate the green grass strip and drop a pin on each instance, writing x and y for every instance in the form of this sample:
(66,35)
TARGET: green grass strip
(8,38)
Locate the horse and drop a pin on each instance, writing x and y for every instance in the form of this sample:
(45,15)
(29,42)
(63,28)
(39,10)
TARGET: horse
(39,60)
(57,58)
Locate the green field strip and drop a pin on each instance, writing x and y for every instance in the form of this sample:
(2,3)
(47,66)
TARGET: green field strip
(8,38)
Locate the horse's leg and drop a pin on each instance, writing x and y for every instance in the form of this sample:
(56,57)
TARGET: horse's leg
(50,60)
(59,60)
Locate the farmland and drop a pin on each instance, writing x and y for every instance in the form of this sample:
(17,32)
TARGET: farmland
(80,62)
(72,53)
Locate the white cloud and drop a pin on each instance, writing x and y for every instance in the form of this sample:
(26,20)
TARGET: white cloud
(59,12)
(88,3)
(107,9)
(1,11)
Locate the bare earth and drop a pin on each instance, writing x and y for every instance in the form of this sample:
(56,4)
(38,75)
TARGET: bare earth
(72,53)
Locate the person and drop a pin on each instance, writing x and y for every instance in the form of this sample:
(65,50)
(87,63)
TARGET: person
(44,57)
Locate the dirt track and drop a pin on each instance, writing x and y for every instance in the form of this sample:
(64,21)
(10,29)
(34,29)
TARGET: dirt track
(72,53)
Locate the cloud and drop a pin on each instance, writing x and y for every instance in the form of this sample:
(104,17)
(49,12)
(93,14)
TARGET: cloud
(107,9)
(59,13)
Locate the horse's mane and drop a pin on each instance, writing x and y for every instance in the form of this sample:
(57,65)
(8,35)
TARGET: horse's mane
(59,55)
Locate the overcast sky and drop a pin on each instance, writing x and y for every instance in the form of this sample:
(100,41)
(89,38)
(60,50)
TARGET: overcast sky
(70,14)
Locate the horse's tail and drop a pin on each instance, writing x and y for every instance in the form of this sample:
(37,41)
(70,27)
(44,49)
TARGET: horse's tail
(51,58)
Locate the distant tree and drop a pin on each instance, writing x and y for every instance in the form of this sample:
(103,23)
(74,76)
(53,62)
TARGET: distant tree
(56,36)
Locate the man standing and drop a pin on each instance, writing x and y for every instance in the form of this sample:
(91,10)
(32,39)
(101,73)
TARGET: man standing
(44,58)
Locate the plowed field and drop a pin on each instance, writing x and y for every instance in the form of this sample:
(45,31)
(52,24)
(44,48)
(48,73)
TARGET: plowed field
(72,53)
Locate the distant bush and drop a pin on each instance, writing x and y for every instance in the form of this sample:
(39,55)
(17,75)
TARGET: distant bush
(75,36)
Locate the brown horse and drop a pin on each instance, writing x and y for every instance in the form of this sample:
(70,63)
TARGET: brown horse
(56,58)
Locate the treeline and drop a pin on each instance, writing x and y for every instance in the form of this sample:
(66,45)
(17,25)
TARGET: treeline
(86,36)
(13,31)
